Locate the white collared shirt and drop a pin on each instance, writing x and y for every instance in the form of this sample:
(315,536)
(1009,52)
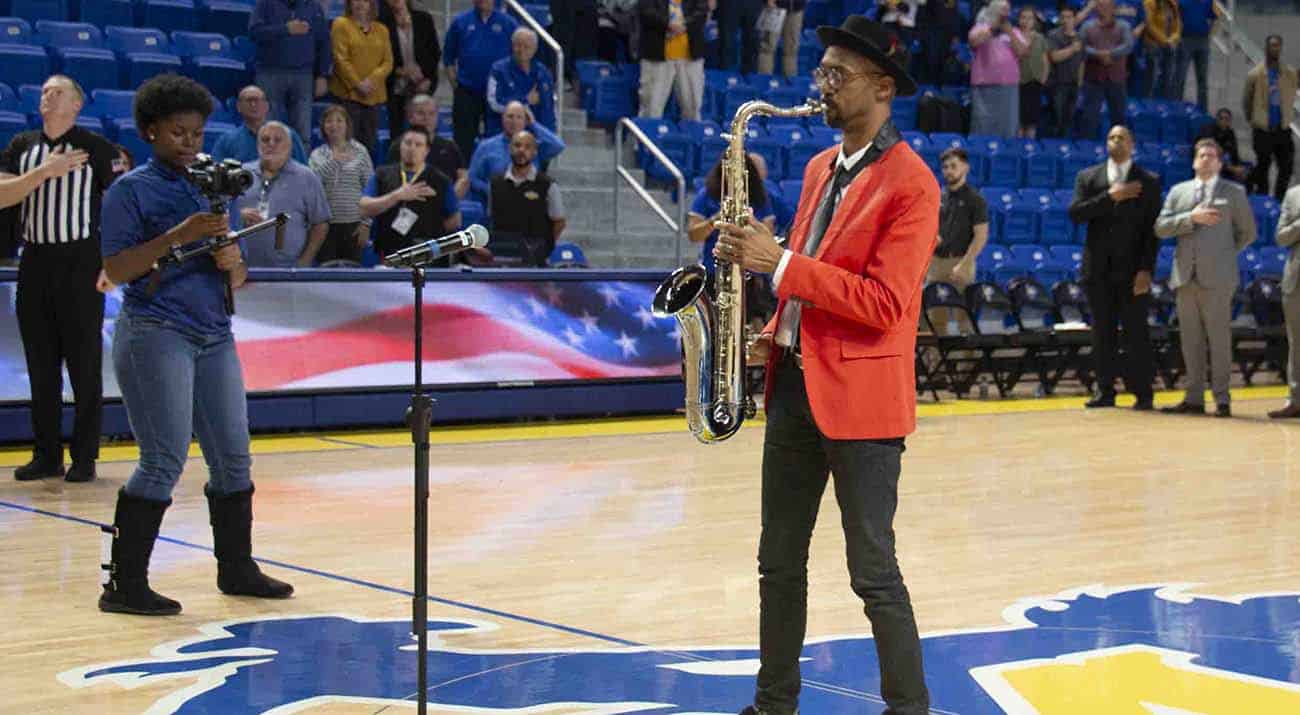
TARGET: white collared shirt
(784,327)
(1115,173)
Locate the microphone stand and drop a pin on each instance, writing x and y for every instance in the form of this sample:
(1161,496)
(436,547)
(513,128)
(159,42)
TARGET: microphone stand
(419,416)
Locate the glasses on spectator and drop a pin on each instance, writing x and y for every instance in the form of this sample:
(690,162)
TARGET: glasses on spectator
(831,79)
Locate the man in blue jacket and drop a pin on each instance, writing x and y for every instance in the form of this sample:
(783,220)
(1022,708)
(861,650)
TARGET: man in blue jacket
(521,78)
(476,39)
(293,47)
(1198,22)
(493,155)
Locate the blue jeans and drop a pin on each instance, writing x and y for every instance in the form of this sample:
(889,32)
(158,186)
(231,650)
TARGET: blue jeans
(1196,51)
(290,93)
(174,383)
(1093,94)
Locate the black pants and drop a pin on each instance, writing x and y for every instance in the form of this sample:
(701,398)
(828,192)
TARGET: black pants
(468,110)
(738,16)
(365,122)
(340,243)
(1064,99)
(1113,305)
(60,317)
(1270,145)
(938,46)
(796,461)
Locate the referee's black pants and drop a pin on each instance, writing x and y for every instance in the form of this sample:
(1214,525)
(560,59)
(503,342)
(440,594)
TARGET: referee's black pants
(60,317)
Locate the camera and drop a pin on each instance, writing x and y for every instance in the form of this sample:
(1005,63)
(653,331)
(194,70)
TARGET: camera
(219,181)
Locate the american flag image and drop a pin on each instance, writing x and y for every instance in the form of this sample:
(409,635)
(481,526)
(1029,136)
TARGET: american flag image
(309,335)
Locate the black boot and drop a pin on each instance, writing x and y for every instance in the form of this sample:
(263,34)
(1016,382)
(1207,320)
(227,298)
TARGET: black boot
(135,524)
(232,535)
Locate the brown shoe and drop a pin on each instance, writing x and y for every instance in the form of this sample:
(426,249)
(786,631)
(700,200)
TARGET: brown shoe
(1291,410)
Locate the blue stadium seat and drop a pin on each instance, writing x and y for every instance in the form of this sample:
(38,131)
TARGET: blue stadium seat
(904,112)
(209,59)
(25,64)
(791,189)
(29,99)
(993,256)
(1249,264)
(109,104)
(246,50)
(918,140)
(1004,161)
(229,17)
(733,97)
(169,15)
(611,99)
(471,212)
(1056,226)
(33,10)
(764,83)
(1272,261)
(143,53)
(709,151)
(102,13)
(16,31)
(788,134)
(128,136)
(1069,256)
(1175,170)
(567,255)
(680,149)
(787,96)
(827,136)
(79,52)
(944,140)
(1023,222)
(1164,262)
(11,123)
(8,100)
(799,154)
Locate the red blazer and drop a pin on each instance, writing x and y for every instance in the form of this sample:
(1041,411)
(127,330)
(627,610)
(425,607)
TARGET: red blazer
(862,294)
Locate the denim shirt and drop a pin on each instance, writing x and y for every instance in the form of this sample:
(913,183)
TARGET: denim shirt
(141,206)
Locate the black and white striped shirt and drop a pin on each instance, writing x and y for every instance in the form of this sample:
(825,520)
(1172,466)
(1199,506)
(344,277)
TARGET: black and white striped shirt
(66,209)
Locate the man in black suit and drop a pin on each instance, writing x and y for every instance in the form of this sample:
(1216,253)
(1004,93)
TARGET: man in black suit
(1120,202)
(416,54)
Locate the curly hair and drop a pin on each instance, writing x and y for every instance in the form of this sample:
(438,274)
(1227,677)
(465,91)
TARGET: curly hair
(168,94)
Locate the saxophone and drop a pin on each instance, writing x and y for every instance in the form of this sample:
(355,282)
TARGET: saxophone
(713,326)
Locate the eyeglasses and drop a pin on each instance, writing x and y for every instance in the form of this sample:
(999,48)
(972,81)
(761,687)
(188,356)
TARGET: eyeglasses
(831,79)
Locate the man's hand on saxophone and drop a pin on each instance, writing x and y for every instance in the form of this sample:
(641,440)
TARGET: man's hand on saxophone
(753,246)
(758,349)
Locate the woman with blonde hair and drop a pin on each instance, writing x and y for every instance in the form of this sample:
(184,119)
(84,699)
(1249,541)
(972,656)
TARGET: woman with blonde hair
(363,59)
(344,168)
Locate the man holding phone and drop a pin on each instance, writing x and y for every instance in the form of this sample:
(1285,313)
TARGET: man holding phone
(1212,222)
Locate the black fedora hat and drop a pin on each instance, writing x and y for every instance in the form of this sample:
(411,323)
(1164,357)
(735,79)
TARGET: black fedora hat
(875,42)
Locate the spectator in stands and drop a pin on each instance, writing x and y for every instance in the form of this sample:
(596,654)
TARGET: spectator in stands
(416,54)
(1065,51)
(672,51)
(476,39)
(707,207)
(124,161)
(410,201)
(782,206)
(735,17)
(1221,131)
(1161,36)
(617,30)
(363,59)
(1212,222)
(941,22)
(492,157)
(1034,67)
(1107,41)
(899,16)
(1119,202)
(963,231)
(995,73)
(240,143)
(787,36)
(525,205)
(521,77)
(1288,236)
(293,49)
(282,185)
(1269,104)
(60,301)
(343,166)
(1198,23)
(574,25)
(422,111)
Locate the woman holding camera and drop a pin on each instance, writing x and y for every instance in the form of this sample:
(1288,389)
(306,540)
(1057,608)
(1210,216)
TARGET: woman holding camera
(174,355)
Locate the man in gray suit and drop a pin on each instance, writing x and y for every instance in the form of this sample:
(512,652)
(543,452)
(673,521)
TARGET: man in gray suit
(1288,236)
(1212,221)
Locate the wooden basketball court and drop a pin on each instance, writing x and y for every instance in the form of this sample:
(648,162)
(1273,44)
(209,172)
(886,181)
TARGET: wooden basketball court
(609,567)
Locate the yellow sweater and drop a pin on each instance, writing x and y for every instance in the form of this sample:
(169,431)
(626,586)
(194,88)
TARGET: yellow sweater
(360,55)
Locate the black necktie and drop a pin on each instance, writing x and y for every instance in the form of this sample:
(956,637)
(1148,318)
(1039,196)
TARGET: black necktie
(826,209)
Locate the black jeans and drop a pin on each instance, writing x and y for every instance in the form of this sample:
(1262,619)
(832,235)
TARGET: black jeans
(468,110)
(738,16)
(796,462)
(1113,305)
(60,317)
(1064,99)
(1270,145)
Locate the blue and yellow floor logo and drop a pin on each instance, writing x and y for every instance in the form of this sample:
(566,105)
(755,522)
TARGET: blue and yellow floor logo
(1094,651)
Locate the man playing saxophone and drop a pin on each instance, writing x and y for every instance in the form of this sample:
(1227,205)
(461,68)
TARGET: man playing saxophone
(841,392)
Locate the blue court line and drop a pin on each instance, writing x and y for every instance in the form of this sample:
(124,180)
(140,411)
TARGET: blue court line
(826,687)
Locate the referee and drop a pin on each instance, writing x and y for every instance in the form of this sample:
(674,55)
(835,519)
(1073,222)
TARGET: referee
(59,175)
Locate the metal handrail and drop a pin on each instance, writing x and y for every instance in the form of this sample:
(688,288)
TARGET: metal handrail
(679,226)
(558,89)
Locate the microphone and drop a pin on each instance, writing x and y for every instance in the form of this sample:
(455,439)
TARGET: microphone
(422,254)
